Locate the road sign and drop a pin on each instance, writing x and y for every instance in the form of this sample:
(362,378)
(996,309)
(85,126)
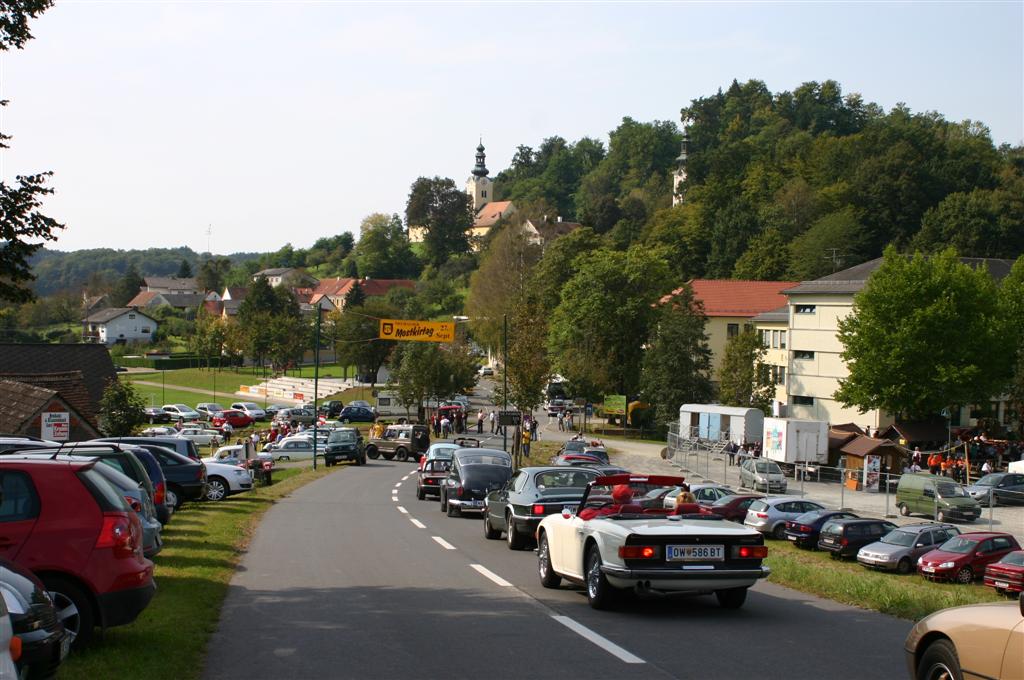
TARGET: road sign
(590,410)
(56,426)
(421,331)
(615,404)
(509,418)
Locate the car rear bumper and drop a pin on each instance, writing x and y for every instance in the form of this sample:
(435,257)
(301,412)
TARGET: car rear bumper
(124,606)
(1013,583)
(193,491)
(467,505)
(668,574)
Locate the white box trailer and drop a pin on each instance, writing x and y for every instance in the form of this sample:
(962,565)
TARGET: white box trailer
(389,406)
(719,423)
(788,440)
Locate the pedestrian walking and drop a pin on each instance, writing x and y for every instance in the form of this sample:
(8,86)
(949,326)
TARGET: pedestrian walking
(533,429)
(480,422)
(492,417)
(445,427)
(561,421)
(526,439)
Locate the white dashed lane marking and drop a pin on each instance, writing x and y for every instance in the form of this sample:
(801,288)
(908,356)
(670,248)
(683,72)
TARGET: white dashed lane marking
(491,575)
(443,543)
(417,523)
(599,640)
(403,510)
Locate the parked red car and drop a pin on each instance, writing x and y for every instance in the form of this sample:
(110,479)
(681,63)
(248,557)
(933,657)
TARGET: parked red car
(64,522)
(1007,575)
(963,558)
(235,419)
(734,508)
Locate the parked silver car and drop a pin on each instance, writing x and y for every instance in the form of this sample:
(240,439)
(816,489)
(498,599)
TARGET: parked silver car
(899,549)
(706,494)
(769,515)
(1007,487)
(762,475)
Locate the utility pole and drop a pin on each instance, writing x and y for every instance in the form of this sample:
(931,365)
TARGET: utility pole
(835,258)
(504,377)
(316,377)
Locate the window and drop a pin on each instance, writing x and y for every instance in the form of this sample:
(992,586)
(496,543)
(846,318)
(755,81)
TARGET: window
(484,193)
(732,330)
(766,338)
(1001,543)
(780,377)
(799,400)
(782,339)
(20,501)
(131,317)
(803,354)
(775,339)
(804,309)
(145,329)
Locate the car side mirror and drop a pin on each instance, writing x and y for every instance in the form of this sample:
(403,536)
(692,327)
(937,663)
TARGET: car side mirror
(919,545)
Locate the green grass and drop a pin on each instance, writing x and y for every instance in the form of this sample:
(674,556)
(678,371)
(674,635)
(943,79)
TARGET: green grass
(908,597)
(204,543)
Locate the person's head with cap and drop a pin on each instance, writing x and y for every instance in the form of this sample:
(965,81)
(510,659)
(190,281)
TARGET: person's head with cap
(622,494)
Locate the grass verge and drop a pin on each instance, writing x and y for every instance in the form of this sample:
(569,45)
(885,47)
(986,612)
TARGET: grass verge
(203,544)
(908,597)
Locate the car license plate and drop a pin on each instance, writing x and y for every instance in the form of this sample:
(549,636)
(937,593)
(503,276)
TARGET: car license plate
(1002,584)
(570,509)
(792,538)
(695,553)
(930,570)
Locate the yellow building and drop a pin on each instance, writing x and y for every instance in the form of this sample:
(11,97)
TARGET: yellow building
(773,327)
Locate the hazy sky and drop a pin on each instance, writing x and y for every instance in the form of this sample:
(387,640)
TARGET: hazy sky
(281,122)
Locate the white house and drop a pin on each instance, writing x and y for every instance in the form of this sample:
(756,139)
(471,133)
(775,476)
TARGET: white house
(118,325)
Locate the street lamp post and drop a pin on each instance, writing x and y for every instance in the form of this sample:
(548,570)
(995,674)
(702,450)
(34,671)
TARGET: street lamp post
(316,378)
(504,377)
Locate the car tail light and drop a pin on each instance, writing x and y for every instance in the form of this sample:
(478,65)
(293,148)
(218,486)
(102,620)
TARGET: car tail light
(539,509)
(117,534)
(15,648)
(762,515)
(201,472)
(459,490)
(758,552)
(843,541)
(638,552)
(806,529)
(134,504)
(160,493)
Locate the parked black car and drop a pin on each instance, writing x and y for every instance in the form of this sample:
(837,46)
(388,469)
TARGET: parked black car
(803,531)
(529,496)
(156,476)
(185,447)
(330,409)
(344,444)
(186,478)
(44,642)
(475,473)
(356,414)
(155,414)
(845,537)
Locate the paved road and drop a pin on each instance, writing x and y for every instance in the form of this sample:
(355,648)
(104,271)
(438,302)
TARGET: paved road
(352,577)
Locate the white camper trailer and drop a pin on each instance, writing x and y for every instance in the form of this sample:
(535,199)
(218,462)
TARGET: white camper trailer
(790,441)
(715,422)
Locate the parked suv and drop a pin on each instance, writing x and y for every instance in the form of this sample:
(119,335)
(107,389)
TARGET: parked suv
(400,441)
(844,537)
(62,520)
(899,549)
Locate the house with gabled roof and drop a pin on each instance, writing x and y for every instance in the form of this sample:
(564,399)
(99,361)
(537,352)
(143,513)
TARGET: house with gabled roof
(118,325)
(35,411)
(171,285)
(92,361)
(336,290)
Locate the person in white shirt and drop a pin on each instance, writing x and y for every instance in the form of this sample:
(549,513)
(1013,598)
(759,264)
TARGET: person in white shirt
(986,468)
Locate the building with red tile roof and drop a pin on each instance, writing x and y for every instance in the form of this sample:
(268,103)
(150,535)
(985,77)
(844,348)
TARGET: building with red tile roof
(336,290)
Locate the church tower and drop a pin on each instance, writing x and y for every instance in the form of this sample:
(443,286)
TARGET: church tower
(679,176)
(479,186)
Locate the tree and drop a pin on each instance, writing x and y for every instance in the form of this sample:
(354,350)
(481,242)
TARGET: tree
(122,408)
(925,333)
(128,287)
(603,318)
(677,361)
(184,270)
(383,251)
(213,273)
(356,296)
(528,369)
(766,258)
(1011,297)
(355,334)
(427,370)
(445,211)
(838,233)
(20,219)
(743,378)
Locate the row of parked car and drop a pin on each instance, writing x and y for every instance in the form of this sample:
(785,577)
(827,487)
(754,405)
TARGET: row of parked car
(79,526)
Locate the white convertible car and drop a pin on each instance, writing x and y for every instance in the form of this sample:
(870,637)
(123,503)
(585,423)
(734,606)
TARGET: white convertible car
(613,544)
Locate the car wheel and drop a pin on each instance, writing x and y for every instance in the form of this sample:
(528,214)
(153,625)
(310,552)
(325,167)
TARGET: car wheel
(548,577)
(904,509)
(419,494)
(402,454)
(372,452)
(939,662)
(600,593)
(216,489)
(490,532)
(731,598)
(453,510)
(965,575)
(904,566)
(74,609)
(779,531)
(515,540)
(172,497)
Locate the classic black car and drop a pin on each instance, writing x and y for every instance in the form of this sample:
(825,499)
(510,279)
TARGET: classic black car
(528,497)
(475,473)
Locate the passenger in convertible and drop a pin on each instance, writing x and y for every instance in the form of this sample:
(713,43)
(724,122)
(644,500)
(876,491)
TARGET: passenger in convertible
(622,496)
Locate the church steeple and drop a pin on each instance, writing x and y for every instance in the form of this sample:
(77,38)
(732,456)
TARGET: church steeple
(480,170)
(679,176)
(478,186)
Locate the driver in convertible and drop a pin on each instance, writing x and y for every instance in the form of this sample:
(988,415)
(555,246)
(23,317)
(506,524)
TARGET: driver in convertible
(622,495)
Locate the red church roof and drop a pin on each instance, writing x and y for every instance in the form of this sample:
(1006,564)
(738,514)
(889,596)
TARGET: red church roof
(729,297)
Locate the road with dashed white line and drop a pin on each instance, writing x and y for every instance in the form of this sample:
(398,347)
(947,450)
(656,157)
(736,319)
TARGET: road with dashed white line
(352,577)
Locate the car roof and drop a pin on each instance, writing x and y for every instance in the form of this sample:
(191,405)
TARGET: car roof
(772,500)
(856,520)
(558,468)
(984,534)
(924,526)
(49,459)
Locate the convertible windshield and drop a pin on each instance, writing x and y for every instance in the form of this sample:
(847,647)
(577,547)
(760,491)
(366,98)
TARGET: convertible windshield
(902,538)
(959,544)
(951,490)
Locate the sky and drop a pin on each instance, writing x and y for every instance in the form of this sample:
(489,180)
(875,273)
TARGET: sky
(268,123)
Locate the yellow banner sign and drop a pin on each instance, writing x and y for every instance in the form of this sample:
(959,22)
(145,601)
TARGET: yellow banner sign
(423,331)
